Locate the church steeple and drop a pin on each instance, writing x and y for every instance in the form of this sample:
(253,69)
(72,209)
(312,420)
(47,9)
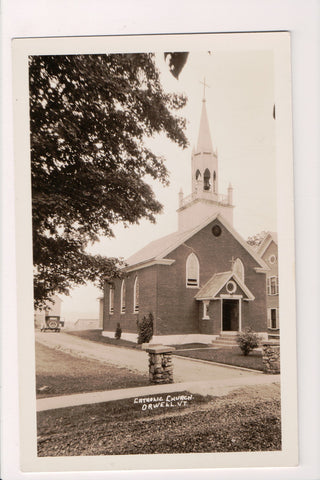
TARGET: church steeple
(204,158)
(204,200)
(204,144)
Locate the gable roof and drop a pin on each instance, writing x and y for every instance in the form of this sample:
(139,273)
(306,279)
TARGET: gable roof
(211,289)
(270,236)
(154,249)
(159,249)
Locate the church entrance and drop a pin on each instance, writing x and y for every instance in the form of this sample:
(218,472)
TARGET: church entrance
(230,315)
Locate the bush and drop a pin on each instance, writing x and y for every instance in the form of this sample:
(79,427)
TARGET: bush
(248,340)
(145,329)
(118,332)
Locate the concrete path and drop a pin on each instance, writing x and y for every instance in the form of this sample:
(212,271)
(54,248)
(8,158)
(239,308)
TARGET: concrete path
(195,376)
(216,388)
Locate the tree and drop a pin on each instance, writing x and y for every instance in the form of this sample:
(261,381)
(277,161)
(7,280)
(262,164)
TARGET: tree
(256,240)
(89,118)
(177,61)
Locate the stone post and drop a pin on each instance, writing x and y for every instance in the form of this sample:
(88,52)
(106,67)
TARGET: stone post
(160,364)
(271,357)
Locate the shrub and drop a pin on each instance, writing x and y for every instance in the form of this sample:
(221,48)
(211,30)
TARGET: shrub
(248,340)
(145,329)
(118,332)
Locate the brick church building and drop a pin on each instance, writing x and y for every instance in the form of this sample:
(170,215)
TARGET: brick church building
(199,282)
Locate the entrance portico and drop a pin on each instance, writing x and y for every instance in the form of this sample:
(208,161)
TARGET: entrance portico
(222,300)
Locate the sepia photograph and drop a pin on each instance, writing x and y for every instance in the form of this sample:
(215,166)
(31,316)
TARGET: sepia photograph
(159,317)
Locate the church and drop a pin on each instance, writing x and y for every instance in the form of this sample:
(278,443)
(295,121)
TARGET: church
(202,282)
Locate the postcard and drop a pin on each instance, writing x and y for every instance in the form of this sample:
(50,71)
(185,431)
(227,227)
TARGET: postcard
(154,207)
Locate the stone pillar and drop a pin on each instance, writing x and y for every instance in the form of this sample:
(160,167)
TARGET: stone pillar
(271,357)
(160,364)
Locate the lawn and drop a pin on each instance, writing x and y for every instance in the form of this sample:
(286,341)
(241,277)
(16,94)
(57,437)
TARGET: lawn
(229,356)
(246,420)
(58,373)
(96,336)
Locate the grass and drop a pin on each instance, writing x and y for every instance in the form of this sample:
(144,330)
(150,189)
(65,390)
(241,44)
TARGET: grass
(64,374)
(228,356)
(96,336)
(245,420)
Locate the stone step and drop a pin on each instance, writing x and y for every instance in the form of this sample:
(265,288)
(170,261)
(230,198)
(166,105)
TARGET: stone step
(223,345)
(225,340)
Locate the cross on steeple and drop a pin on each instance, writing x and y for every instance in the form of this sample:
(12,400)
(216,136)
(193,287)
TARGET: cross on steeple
(204,88)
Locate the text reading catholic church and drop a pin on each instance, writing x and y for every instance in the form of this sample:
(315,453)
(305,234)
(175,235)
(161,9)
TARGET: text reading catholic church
(204,282)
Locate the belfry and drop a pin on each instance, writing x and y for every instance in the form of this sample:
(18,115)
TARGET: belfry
(204,199)
(200,282)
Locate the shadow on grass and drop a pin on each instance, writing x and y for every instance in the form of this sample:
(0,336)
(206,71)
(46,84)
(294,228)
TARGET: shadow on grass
(246,420)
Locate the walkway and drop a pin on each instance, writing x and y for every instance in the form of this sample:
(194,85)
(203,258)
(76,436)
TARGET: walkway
(216,388)
(195,376)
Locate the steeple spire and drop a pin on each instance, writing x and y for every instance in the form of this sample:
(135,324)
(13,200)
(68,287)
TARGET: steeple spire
(204,143)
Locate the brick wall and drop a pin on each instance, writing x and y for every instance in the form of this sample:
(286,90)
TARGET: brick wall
(147,300)
(177,308)
(163,289)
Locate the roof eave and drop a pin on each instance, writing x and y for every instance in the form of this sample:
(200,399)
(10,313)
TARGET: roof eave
(149,263)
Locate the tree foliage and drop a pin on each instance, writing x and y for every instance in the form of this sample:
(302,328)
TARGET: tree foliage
(89,118)
(256,240)
(145,329)
(177,61)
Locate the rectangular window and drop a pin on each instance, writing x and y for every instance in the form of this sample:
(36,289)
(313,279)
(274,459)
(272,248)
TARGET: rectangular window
(272,286)
(273,318)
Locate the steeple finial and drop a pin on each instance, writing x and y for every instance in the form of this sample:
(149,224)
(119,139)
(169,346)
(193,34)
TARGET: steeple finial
(204,143)
(204,88)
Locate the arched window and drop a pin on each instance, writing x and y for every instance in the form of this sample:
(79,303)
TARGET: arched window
(198,175)
(238,269)
(192,271)
(206,179)
(136,296)
(111,299)
(123,297)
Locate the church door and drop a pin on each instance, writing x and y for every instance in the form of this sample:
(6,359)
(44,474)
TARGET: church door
(230,315)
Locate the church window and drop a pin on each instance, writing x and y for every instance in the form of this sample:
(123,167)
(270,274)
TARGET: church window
(273,317)
(214,176)
(198,174)
(123,297)
(273,286)
(272,259)
(216,230)
(111,299)
(192,270)
(231,286)
(206,179)
(136,296)
(238,269)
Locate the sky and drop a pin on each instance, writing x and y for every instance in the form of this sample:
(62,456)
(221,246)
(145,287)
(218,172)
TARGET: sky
(239,100)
